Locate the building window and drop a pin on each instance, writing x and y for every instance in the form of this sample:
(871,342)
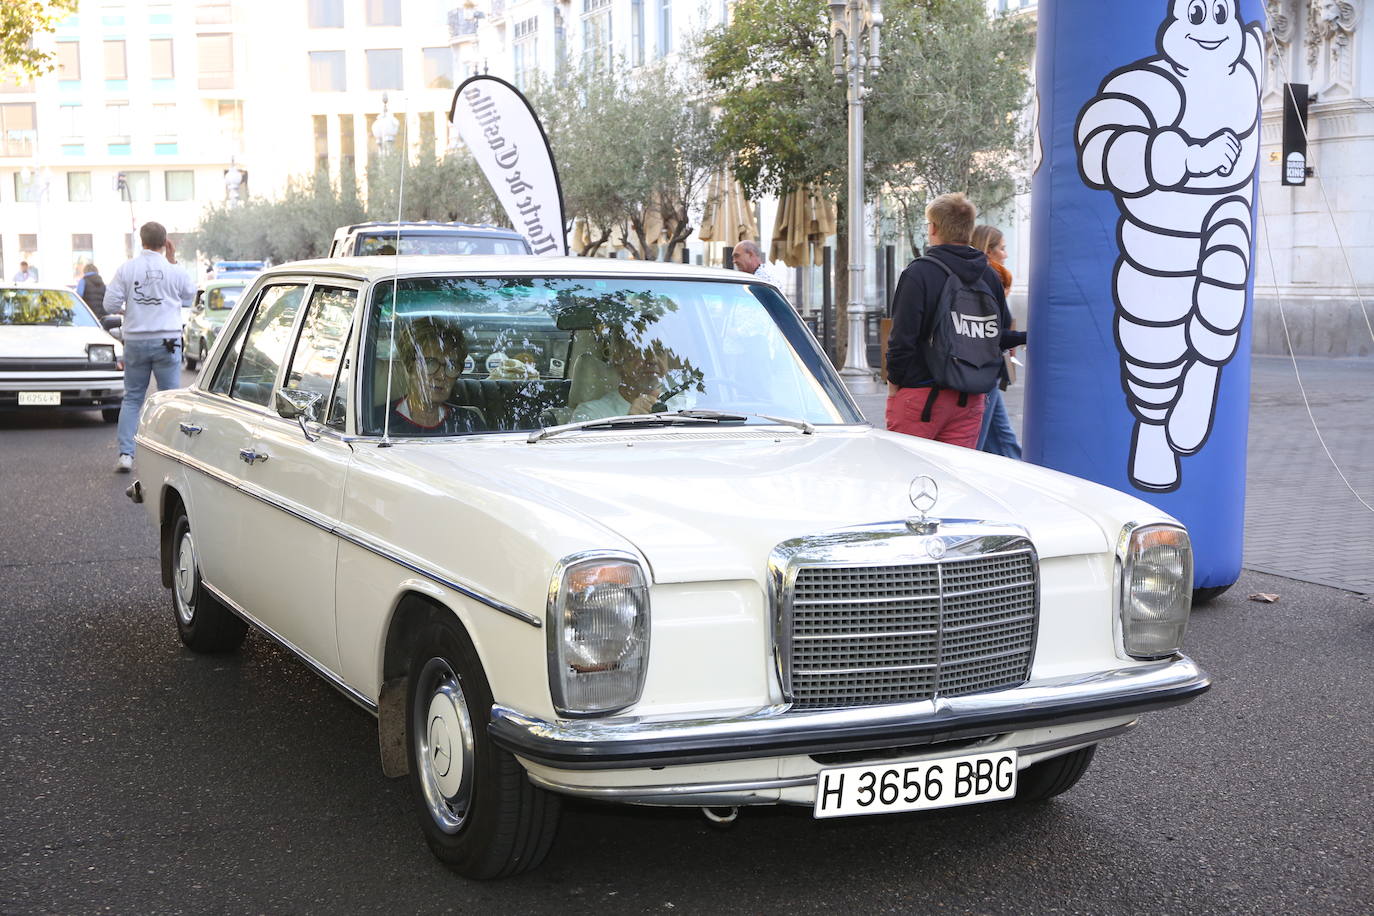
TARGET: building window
(438,68)
(136,186)
(526,51)
(321,125)
(383,12)
(427,132)
(18,129)
(79,187)
(72,122)
(115,65)
(28,244)
(69,60)
(26,188)
(180,184)
(117,122)
(210,13)
(326,14)
(164,120)
(216,53)
(160,59)
(384,68)
(596,33)
(637,32)
(347,154)
(665,27)
(327,71)
(83,248)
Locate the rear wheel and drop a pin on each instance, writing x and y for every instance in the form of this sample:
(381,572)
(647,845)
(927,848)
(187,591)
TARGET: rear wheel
(110,414)
(204,624)
(479,812)
(1055,776)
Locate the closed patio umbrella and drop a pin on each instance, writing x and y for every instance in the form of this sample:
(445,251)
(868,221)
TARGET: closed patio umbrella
(728,216)
(805,219)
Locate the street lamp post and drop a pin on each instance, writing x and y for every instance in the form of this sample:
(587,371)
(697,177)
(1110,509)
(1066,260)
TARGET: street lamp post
(854,28)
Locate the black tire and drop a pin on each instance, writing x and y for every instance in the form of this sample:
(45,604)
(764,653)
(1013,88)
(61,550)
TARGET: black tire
(479,813)
(1210,593)
(1048,778)
(109,414)
(204,624)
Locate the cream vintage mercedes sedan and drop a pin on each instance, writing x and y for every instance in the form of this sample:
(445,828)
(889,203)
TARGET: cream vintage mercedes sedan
(616,530)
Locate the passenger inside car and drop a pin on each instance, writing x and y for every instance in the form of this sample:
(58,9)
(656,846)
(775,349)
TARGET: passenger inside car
(432,353)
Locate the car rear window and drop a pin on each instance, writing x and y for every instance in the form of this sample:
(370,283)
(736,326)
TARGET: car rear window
(52,307)
(383,244)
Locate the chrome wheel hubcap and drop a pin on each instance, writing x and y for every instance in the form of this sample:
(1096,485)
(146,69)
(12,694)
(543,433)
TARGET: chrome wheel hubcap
(186,577)
(445,743)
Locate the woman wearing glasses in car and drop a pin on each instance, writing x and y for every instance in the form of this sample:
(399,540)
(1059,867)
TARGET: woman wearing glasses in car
(432,356)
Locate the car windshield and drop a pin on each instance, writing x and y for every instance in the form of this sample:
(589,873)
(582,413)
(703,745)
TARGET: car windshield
(427,243)
(451,356)
(52,307)
(220,298)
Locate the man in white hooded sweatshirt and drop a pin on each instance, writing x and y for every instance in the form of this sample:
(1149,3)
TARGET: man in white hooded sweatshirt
(149,290)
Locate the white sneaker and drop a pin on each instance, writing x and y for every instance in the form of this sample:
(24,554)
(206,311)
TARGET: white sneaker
(125,464)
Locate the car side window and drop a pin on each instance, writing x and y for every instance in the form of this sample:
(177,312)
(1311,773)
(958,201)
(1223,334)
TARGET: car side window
(320,350)
(265,345)
(224,372)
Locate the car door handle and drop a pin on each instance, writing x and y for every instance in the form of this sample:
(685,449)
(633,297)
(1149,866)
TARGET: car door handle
(249,456)
(190,429)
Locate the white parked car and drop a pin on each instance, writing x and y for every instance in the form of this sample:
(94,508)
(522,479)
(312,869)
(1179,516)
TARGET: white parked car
(54,355)
(662,561)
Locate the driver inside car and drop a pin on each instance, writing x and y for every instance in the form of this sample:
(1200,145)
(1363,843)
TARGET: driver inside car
(643,386)
(432,354)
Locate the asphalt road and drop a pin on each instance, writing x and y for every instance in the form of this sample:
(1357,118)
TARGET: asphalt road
(137,777)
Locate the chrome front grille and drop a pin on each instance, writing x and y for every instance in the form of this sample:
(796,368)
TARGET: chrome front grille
(903,632)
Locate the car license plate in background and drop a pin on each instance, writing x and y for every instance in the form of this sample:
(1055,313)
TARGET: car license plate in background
(888,788)
(39,398)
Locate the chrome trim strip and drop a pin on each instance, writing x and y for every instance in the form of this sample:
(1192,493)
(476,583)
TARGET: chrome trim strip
(706,793)
(285,643)
(775,731)
(338,531)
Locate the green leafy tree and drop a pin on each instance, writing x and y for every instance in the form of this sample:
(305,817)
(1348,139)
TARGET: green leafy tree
(20,22)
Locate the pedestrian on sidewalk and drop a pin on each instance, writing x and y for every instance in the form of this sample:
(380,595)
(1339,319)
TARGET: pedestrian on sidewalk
(91,288)
(748,257)
(950,324)
(26,274)
(149,291)
(997,435)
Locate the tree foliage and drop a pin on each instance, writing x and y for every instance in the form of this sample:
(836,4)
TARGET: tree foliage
(20,22)
(942,114)
(635,150)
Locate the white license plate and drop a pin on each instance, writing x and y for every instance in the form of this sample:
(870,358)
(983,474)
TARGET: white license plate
(888,788)
(39,398)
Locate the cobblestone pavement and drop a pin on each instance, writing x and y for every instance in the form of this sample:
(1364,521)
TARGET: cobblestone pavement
(1301,521)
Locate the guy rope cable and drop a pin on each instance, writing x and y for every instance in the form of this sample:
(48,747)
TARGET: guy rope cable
(1283,318)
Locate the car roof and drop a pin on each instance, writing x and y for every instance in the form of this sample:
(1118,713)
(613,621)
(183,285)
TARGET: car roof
(39,287)
(433,227)
(386,266)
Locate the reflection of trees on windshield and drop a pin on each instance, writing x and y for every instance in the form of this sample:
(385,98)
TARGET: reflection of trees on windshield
(41,306)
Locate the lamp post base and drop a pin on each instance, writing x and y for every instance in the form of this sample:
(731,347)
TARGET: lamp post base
(861,381)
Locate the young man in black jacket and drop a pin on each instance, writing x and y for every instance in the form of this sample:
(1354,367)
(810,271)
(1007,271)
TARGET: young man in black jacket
(914,405)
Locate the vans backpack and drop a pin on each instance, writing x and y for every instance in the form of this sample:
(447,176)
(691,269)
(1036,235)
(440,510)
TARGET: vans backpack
(963,348)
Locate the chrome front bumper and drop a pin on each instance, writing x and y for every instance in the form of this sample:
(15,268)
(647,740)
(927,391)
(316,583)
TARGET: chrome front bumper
(774,731)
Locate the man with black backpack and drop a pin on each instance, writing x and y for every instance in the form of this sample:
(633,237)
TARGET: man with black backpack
(950,324)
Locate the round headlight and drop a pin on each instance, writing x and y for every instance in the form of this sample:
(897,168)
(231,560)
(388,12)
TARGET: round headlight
(1156,589)
(598,635)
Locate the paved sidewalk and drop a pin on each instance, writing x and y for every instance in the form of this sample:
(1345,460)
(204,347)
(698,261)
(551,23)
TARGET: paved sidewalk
(1301,521)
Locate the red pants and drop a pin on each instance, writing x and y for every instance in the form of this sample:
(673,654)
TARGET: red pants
(948,421)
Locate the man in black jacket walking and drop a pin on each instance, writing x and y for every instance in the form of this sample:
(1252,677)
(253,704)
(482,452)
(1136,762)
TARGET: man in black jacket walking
(915,405)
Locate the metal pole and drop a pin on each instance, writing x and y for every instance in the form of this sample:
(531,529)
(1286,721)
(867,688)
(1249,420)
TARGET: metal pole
(857,373)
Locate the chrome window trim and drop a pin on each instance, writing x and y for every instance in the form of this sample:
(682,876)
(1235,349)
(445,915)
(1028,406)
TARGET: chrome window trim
(774,731)
(276,637)
(330,526)
(881,544)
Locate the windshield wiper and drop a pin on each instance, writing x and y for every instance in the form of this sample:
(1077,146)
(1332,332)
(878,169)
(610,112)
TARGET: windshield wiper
(675,418)
(628,421)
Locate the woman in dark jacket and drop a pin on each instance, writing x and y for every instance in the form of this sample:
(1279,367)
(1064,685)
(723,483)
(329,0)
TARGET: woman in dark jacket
(997,436)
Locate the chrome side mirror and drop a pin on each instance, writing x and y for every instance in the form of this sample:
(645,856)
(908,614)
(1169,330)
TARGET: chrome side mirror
(299,405)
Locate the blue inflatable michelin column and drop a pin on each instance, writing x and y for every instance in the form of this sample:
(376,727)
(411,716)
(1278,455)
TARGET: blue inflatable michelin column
(1142,245)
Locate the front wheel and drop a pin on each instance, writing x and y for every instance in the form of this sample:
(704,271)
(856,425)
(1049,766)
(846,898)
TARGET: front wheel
(479,812)
(203,623)
(1048,778)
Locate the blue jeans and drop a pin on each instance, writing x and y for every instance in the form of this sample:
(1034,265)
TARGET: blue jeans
(142,360)
(997,436)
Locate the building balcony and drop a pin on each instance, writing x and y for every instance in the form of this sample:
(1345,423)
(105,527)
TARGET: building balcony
(461,25)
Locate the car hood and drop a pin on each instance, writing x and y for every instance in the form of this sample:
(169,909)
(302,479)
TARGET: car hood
(702,505)
(46,342)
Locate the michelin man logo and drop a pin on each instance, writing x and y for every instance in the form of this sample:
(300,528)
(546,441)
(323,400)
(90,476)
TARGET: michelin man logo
(1175,138)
